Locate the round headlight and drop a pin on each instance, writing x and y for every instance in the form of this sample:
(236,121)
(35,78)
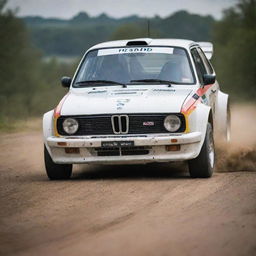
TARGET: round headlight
(70,125)
(172,123)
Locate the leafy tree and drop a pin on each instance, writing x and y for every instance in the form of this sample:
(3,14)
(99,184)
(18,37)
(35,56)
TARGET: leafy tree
(235,40)
(28,85)
(185,25)
(18,66)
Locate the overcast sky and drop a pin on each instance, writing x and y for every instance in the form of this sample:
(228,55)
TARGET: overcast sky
(118,8)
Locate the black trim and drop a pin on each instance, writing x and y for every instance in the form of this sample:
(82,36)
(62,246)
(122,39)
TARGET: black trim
(101,124)
(126,151)
(137,43)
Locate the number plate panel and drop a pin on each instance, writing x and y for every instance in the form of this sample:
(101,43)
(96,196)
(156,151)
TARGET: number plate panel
(117,144)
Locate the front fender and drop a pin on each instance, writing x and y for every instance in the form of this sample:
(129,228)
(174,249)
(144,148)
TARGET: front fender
(48,127)
(198,120)
(222,115)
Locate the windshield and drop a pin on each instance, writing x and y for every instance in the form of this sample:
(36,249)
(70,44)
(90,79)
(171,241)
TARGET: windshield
(133,65)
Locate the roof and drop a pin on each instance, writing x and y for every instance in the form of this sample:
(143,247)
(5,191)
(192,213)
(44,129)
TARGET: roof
(151,42)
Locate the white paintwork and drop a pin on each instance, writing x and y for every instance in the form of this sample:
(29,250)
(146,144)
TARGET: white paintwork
(190,148)
(47,128)
(138,99)
(115,99)
(222,125)
(149,140)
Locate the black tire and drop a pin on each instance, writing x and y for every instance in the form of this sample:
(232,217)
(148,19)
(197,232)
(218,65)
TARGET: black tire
(203,165)
(56,171)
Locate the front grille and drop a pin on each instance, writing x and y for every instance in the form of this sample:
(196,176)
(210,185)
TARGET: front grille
(126,124)
(120,124)
(126,151)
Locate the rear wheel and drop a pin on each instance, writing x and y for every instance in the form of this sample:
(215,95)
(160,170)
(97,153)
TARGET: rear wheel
(203,165)
(56,171)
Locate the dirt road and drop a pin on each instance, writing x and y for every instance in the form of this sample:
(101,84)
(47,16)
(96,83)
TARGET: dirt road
(134,210)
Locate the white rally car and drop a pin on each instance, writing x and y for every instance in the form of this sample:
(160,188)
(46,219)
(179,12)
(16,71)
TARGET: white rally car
(135,102)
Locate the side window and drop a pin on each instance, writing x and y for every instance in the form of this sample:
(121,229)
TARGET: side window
(207,64)
(200,68)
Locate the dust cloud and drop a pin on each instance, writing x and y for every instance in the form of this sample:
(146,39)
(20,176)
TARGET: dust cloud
(240,153)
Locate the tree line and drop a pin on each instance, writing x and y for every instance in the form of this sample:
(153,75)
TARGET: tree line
(73,36)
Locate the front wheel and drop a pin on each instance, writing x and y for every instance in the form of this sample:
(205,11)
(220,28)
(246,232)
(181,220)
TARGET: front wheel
(203,165)
(56,171)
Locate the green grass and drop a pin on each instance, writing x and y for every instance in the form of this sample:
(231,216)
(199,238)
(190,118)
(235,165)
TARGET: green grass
(30,124)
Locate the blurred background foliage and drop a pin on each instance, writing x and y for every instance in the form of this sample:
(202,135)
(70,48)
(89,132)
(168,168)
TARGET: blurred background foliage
(234,38)
(36,52)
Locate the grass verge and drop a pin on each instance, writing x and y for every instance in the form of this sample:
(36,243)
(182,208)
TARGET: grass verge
(12,126)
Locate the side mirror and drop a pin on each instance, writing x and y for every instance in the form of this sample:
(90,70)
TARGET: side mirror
(66,81)
(209,79)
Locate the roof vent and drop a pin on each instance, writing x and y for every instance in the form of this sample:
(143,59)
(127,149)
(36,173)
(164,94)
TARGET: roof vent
(137,43)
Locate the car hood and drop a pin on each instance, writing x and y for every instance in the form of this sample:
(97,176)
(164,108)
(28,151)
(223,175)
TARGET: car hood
(134,99)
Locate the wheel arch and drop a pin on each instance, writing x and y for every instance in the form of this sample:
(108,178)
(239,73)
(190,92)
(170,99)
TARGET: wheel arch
(198,121)
(48,128)
(210,118)
(222,116)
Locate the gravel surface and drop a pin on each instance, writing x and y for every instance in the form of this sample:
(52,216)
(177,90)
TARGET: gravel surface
(129,210)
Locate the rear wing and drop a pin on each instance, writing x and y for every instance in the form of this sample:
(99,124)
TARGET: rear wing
(207,48)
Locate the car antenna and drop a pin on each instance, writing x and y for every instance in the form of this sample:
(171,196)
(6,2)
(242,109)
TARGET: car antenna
(148,28)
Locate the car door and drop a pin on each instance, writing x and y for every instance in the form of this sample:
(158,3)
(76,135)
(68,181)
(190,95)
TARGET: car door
(207,92)
(212,92)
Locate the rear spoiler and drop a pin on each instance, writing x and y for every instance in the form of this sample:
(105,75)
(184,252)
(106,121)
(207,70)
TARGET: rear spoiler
(207,48)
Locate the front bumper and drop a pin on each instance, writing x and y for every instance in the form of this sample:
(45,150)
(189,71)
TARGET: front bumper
(190,145)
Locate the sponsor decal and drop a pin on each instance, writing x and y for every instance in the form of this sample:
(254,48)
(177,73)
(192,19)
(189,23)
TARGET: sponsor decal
(123,100)
(132,50)
(198,97)
(117,93)
(95,92)
(149,123)
(120,103)
(191,104)
(195,96)
(204,99)
(164,90)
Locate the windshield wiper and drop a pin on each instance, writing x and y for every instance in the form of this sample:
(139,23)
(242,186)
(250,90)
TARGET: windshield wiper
(100,81)
(155,81)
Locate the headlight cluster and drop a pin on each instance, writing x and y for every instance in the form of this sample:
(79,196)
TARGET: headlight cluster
(70,125)
(172,123)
